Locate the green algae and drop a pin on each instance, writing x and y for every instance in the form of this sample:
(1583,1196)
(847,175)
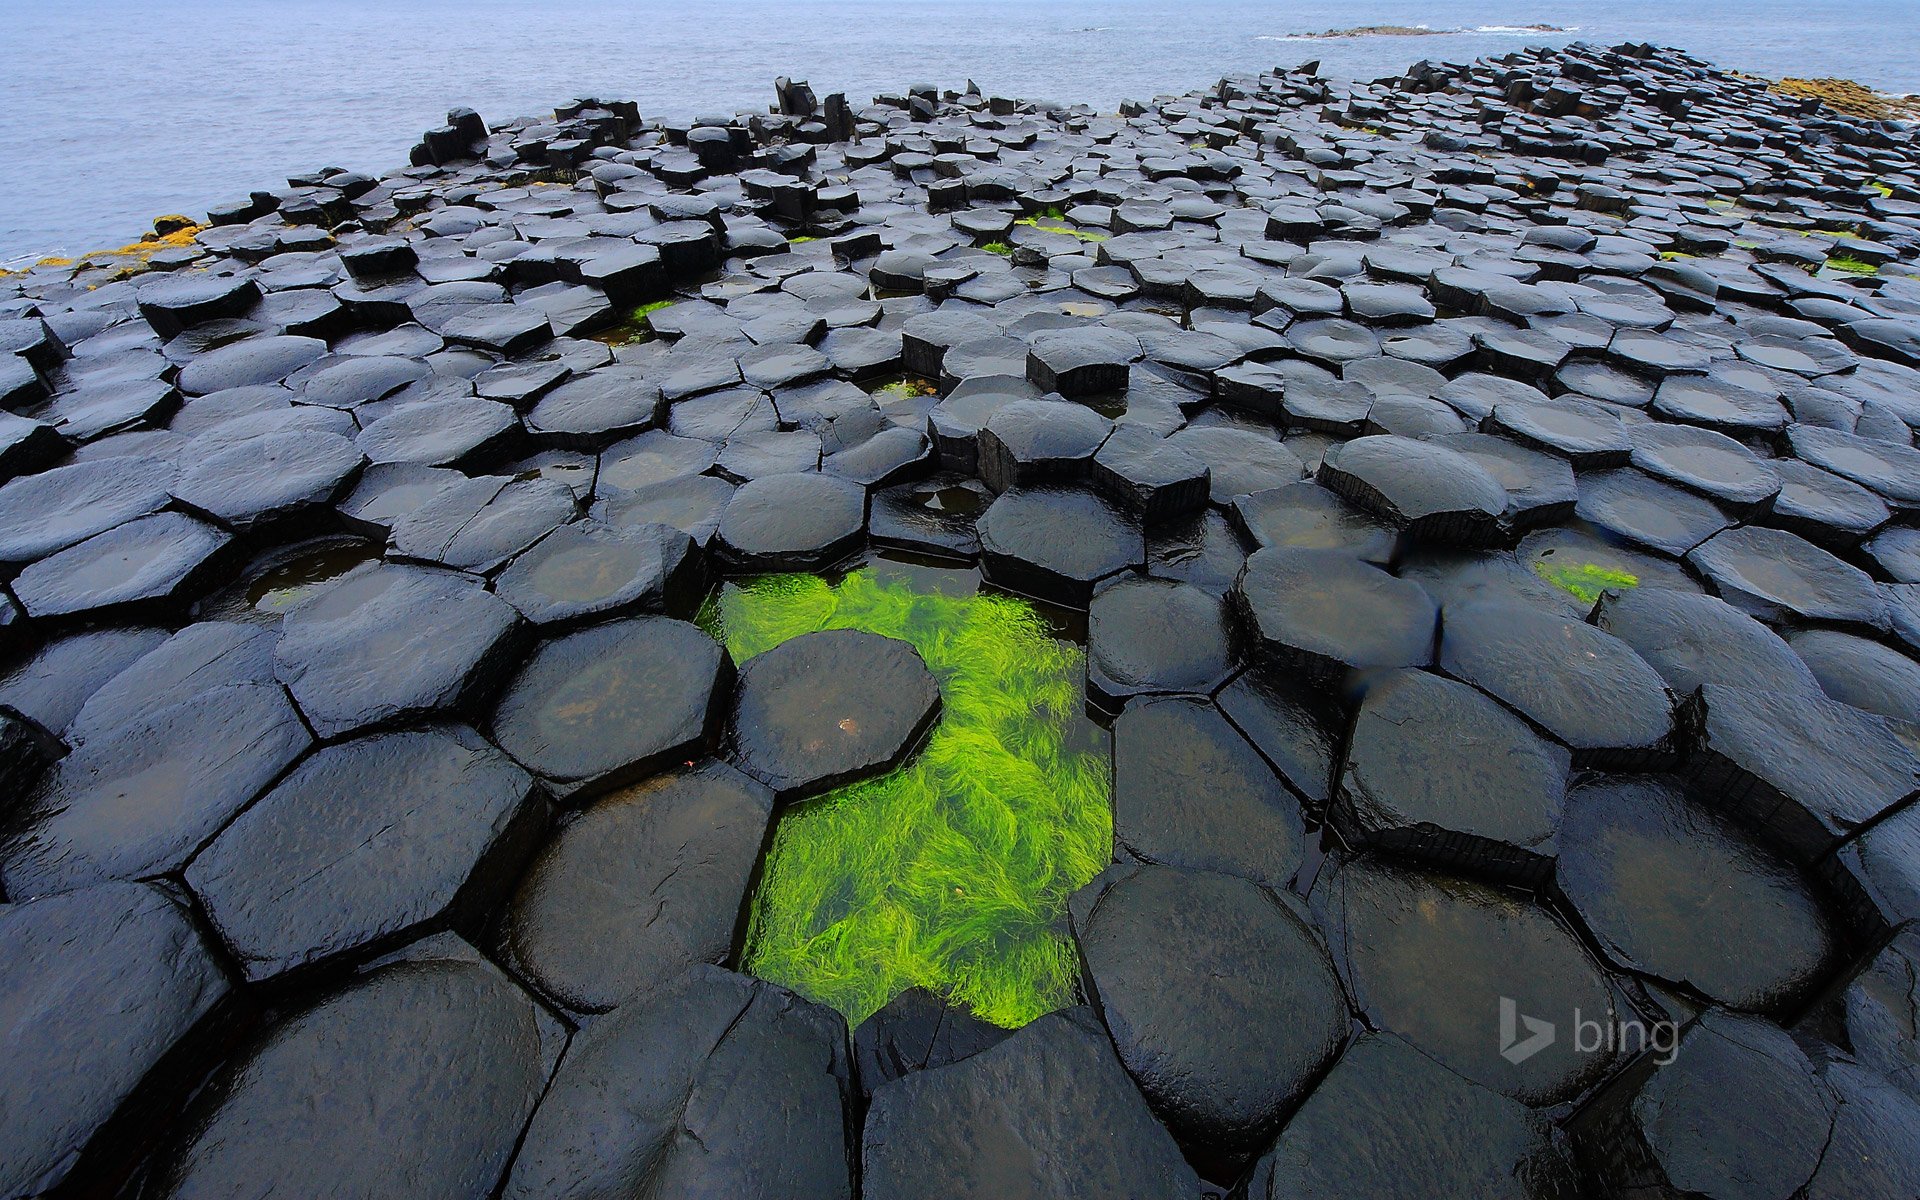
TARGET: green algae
(905,387)
(1000,248)
(1085,235)
(635,326)
(952,872)
(1585,580)
(1852,265)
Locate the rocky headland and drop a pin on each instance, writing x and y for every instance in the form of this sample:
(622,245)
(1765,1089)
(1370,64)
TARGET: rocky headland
(1298,640)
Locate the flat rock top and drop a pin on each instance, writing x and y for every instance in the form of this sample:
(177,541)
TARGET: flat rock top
(828,708)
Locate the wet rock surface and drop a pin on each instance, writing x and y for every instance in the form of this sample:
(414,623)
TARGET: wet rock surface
(714,1084)
(1220,999)
(1539,421)
(614,703)
(650,880)
(829,708)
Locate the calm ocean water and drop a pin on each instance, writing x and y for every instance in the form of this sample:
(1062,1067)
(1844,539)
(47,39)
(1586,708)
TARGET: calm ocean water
(114,111)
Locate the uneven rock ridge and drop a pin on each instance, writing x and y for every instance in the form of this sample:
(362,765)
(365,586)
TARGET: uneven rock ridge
(1492,497)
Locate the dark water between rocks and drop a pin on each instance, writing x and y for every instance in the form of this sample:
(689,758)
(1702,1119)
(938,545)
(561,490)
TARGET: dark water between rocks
(112,112)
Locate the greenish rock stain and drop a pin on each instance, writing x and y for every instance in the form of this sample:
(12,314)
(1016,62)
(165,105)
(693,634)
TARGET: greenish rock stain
(952,872)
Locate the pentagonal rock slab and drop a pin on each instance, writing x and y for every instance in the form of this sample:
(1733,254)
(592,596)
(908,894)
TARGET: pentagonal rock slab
(583,571)
(390,643)
(1432,959)
(916,1031)
(1056,543)
(792,522)
(1391,1123)
(1148,636)
(613,703)
(1585,687)
(1436,770)
(1692,638)
(154,562)
(441,1123)
(1774,575)
(1220,999)
(140,800)
(993,1126)
(1673,891)
(1435,493)
(103,984)
(717,1085)
(827,708)
(1327,613)
(649,881)
(365,844)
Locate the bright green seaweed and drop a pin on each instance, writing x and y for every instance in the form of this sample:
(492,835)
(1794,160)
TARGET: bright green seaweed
(952,872)
(1585,580)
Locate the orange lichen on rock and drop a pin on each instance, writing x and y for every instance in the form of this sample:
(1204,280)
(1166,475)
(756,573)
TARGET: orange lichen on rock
(1853,99)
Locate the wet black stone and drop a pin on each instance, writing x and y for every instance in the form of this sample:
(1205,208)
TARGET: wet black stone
(792,522)
(140,800)
(1673,891)
(1081,362)
(278,477)
(156,562)
(1774,575)
(250,361)
(106,989)
(1585,687)
(1738,1113)
(649,881)
(1220,999)
(1805,769)
(1716,404)
(1693,639)
(1239,461)
(613,703)
(1873,1150)
(478,524)
(925,339)
(1306,516)
(1391,1123)
(26,750)
(366,844)
(1437,771)
(391,643)
(1641,509)
(44,513)
(828,708)
(1032,442)
(1325,612)
(1190,792)
(442,1123)
(1863,673)
(439,432)
(1889,468)
(174,303)
(934,515)
(583,571)
(916,1031)
(690,503)
(597,409)
(1825,508)
(1435,493)
(27,446)
(1540,487)
(1873,1015)
(1390,927)
(51,687)
(715,1085)
(1148,636)
(194,661)
(1056,543)
(1710,463)
(992,1126)
(1587,434)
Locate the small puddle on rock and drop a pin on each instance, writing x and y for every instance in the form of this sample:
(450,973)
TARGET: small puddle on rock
(280,588)
(952,872)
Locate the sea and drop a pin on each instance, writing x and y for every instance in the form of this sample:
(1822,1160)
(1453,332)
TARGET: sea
(115,111)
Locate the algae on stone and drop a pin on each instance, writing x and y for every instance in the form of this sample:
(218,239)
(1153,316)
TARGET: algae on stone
(951,873)
(1585,580)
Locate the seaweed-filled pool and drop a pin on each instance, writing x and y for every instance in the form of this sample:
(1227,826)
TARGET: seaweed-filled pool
(950,873)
